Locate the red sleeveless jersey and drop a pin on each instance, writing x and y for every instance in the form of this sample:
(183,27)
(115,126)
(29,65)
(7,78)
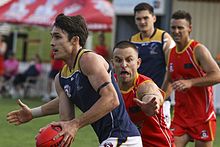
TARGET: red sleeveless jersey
(154,131)
(195,105)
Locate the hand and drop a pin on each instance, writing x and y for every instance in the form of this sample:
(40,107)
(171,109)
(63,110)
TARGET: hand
(181,85)
(150,108)
(69,130)
(20,116)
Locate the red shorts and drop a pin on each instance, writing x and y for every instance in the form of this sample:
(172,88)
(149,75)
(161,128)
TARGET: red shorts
(202,132)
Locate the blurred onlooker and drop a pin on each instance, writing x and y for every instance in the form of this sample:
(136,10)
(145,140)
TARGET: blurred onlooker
(3,48)
(31,73)
(56,66)
(11,66)
(101,48)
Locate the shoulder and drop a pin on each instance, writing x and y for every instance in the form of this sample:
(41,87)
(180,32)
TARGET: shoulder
(135,37)
(90,62)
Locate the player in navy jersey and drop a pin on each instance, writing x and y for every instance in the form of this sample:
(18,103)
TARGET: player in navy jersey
(153,45)
(87,82)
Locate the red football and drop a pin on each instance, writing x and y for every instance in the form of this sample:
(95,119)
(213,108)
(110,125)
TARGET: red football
(45,137)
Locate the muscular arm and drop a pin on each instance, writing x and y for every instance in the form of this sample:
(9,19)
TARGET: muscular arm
(168,44)
(66,108)
(209,65)
(149,98)
(95,68)
(96,71)
(148,90)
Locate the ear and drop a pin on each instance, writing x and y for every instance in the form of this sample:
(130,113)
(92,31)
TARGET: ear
(112,61)
(74,39)
(190,29)
(154,18)
(139,62)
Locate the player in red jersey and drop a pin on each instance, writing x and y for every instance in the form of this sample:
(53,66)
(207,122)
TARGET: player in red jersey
(191,71)
(152,126)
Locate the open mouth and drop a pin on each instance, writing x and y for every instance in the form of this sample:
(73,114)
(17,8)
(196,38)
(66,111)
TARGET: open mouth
(124,73)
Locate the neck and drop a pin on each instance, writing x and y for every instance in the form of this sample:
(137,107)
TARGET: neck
(181,45)
(147,33)
(72,58)
(125,85)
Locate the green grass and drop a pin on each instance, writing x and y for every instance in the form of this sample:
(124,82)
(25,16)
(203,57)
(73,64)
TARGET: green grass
(23,135)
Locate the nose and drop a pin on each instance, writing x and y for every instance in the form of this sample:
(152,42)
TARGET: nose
(123,64)
(51,43)
(175,30)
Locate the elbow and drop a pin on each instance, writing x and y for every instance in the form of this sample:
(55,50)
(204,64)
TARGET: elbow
(114,102)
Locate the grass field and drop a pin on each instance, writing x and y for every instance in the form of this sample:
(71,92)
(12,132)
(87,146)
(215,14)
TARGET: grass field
(23,135)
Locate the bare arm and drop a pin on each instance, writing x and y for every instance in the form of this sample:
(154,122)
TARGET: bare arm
(66,108)
(166,86)
(96,71)
(25,114)
(149,98)
(168,45)
(208,64)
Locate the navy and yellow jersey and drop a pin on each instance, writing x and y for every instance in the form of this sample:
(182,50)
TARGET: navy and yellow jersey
(151,52)
(79,90)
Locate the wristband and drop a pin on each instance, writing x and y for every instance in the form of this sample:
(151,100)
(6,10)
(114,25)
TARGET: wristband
(36,112)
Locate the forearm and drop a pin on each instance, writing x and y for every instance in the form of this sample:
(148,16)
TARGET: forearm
(97,111)
(208,80)
(49,108)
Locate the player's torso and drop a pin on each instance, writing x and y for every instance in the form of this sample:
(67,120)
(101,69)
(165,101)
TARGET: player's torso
(150,127)
(152,55)
(197,100)
(79,90)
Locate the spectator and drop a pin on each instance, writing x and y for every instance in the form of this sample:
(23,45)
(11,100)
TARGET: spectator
(11,66)
(3,48)
(56,66)
(11,69)
(31,72)
(101,48)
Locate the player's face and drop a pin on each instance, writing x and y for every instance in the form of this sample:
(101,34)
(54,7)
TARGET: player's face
(60,44)
(180,30)
(126,63)
(144,20)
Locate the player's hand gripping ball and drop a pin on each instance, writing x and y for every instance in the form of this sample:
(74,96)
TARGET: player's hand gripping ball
(45,137)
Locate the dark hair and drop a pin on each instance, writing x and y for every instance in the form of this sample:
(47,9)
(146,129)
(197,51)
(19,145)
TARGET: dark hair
(144,6)
(125,44)
(181,14)
(74,26)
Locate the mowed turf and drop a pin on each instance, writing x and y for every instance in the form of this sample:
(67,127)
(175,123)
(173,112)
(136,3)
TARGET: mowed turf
(23,135)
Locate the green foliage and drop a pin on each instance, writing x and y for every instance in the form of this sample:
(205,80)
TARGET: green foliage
(23,135)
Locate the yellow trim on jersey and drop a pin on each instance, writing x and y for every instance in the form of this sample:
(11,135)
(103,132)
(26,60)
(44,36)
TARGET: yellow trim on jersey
(66,72)
(127,91)
(156,38)
(180,52)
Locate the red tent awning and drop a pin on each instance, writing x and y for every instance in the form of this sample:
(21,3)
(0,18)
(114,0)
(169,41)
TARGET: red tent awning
(98,13)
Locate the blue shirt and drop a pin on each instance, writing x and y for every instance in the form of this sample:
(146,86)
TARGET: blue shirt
(79,90)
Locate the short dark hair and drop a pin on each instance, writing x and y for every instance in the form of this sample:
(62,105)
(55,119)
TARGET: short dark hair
(144,6)
(125,44)
(181,14)
(74,26)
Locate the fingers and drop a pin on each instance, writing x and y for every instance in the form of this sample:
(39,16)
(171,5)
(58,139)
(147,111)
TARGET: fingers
(138,102)
(67,140)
